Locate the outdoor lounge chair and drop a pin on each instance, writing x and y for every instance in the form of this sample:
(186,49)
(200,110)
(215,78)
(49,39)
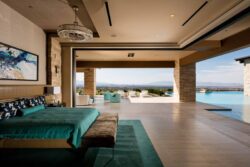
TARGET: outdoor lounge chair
(115,98)
(107,96)
(83,100)
(144,93)
(132,93)
(121,93)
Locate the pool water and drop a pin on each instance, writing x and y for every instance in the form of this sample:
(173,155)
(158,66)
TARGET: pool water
(235,100)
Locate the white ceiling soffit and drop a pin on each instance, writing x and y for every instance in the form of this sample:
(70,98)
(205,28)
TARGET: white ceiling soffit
(135,21)
(230,12)
(233,29)
(149,21)
(100,55)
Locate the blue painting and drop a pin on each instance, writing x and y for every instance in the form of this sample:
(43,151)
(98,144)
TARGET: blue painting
(17,64)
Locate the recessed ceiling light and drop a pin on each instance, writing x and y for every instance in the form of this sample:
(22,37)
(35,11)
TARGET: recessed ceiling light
(172,15)
(131,54)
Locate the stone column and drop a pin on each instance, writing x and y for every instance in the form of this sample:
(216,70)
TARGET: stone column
(54,65)
(90,81)
(185,82)
(247,77)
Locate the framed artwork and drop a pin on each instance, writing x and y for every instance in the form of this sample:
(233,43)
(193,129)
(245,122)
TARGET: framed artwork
(17,64)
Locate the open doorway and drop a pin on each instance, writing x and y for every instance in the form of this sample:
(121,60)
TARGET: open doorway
(80,83)
(81,97)
(138,85)
(85,87)
(220,82)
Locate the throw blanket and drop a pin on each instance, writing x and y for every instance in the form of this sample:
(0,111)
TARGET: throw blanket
(51,123)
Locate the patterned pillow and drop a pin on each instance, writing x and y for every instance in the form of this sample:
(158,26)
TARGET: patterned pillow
(41,100)
(23,103)
(32,102)
(4,115)
(8,110)
(20,104)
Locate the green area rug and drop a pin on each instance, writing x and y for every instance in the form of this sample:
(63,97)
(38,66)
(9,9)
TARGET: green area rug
(133,149)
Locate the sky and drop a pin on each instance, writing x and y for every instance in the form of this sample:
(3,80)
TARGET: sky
(221,69)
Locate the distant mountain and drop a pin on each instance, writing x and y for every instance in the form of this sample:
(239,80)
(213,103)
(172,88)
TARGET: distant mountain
(199,84)
(166,84)
(103,84)
(160,83)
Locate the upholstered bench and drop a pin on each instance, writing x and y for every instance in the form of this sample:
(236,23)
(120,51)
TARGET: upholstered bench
(108,117)
(102,134)
(103,131)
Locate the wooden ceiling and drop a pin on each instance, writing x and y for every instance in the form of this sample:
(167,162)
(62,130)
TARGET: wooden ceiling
(152,29)
(135,21)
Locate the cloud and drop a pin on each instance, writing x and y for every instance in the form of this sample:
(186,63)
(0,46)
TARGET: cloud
(231,72)
(134,75)
(207,71)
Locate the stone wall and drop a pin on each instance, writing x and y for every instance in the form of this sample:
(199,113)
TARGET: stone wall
(54,75)
(247,77)
(90,82)
(185,82)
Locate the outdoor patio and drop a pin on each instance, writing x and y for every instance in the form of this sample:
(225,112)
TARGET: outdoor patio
(185,134)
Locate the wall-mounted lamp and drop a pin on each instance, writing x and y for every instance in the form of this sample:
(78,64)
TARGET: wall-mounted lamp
(52,90)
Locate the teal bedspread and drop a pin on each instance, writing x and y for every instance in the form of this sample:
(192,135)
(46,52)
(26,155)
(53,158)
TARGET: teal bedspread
(51,123)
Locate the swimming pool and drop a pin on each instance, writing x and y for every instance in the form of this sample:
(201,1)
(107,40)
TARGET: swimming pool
(235,100)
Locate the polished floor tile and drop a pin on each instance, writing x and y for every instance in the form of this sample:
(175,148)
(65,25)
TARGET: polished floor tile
(186,135)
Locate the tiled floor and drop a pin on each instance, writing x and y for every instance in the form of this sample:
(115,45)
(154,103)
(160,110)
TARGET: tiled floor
(185,135)
(153,100)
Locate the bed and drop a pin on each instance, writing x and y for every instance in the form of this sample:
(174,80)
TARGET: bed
(54,127)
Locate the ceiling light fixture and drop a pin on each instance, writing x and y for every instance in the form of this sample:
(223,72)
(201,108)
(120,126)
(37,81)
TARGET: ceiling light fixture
(74,32)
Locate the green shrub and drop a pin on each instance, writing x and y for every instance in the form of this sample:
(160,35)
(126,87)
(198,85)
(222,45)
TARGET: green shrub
(156,91)
(137,90)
